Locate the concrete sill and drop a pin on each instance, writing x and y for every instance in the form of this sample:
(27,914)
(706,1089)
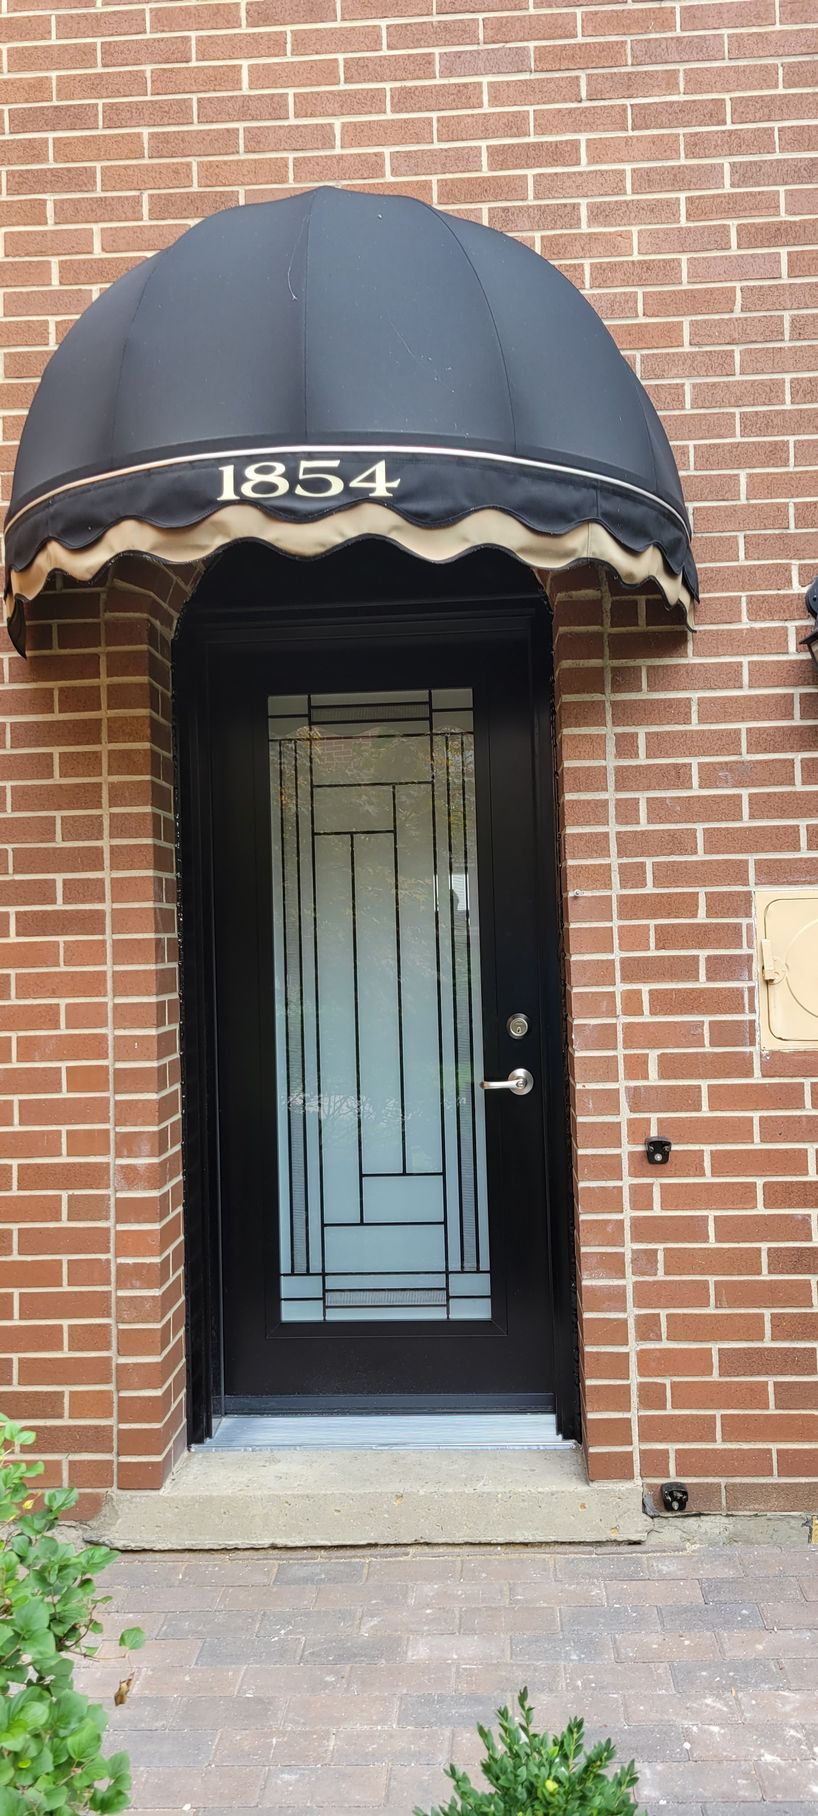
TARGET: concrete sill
(228,1500)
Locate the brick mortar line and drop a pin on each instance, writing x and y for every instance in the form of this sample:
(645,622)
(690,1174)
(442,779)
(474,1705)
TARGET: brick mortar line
(688,33)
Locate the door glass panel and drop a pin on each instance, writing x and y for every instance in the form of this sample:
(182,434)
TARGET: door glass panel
(381,1138)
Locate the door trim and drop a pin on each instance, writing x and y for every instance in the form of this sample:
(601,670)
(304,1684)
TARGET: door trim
(374,590)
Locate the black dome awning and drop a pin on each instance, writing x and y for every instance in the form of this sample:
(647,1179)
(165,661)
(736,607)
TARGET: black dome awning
(339,364)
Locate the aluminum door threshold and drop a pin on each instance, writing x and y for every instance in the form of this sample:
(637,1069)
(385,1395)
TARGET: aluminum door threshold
(396,1431)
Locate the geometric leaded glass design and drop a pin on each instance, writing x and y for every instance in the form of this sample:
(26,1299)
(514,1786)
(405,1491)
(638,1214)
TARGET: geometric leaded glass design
(379,1046)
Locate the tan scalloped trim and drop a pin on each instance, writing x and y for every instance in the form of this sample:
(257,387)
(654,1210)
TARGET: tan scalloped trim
(240,522)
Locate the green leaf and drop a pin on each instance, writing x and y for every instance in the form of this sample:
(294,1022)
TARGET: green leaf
(110,1801)
(59,1500)
(11,1804)
(15,1737)
(95,1558)
(32,1619)
(42,1651)
(132,1638)
(34,1715)
(71,1707)
(84,1741)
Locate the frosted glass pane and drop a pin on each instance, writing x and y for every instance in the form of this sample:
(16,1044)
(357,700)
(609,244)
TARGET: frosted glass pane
(294,727)
(477,1100)
(419,979)
(365,759)
(359,720)
(294,1017)
(280,704)
(378,1004)
(448,1073)
(310,1108)
(280,1008)
(389,1313)
(341,809)
(369,703)
(404,1282)
(452,696)
(382,1208)
(381,1247)
(452,709)
(341,1296)
(467,1285)
(452,721)
(403,1200)
(337,1044)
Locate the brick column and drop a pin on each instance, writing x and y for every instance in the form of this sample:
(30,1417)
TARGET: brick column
(592,974)
(56,1269)
(91,1278)
(139,616)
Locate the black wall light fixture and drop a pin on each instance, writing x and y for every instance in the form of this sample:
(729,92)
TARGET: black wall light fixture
(811,601)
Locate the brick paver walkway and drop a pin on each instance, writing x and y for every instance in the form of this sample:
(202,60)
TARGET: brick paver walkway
(338,1682)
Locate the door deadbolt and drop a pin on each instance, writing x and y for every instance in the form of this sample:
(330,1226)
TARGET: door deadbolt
(517,1026)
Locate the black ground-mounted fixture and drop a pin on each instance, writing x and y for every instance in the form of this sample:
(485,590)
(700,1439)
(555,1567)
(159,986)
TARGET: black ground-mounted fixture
(657,1148)
(674,1497)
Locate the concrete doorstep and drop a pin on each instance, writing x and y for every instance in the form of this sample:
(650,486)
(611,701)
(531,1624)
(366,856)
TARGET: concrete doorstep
(236,1499)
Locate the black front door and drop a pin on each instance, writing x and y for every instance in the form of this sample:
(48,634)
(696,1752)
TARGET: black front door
(379,925)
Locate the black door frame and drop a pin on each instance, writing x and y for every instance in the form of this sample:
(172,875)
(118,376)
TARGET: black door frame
(368,584)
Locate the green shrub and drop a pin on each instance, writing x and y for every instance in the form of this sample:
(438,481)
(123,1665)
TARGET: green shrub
(535,1774)
(50,1736)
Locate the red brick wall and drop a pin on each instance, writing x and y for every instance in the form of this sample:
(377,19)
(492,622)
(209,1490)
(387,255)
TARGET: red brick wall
(680,790)
(665,156)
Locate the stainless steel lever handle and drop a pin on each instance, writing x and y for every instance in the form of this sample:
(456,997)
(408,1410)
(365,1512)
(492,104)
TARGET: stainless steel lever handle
(519,1081)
